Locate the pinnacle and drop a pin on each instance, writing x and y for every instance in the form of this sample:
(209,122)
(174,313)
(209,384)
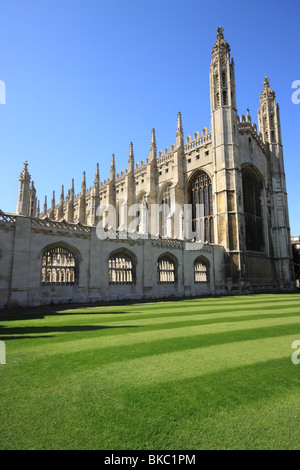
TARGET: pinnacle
(220,42)
(131,150)
(220,34)
(97,176)
(179,124)
(153,140)
(266,82)
(113,161)
(83,185)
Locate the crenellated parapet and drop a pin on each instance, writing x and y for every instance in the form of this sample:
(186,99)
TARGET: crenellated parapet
(245,127)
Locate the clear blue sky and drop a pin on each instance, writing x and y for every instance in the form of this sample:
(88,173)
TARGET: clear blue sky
(86,77)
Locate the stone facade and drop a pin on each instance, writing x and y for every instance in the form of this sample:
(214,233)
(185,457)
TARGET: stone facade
(235,171)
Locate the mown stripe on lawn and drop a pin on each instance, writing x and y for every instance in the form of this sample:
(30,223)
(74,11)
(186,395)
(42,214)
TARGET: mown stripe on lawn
(105,342)
(184,364)
(147,313)
(22,328)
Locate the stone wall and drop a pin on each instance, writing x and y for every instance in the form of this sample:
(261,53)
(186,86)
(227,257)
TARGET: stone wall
(23,239)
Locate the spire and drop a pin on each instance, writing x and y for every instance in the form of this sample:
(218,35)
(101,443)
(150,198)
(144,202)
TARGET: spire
(96,181)
(268,115)
(72,192)
(82,202)
(25,176)
(131,158)
(153,150)
(179,125)
(70,204)
(112,167)
(60,209)
(179,131)
(45,206)
(62,197)
(53,200)
(83,184)
(94,219)
(51,212)
(24,192)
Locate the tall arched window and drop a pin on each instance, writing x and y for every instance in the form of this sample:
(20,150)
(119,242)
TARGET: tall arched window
(200,271)
(253,210)
(166,270)
(142,215)
(165,209)
(59,266)
(121,269)
(201,194)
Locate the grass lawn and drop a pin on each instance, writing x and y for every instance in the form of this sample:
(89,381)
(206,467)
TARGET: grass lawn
(212,373)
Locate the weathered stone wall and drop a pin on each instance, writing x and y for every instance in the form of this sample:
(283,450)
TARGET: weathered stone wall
(23,241)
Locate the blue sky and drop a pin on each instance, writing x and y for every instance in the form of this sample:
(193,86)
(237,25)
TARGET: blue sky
(85,77)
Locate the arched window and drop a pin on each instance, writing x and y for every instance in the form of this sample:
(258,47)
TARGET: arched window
(121,269)
(200,271)
(165,209)
(252,194)
(59,266)
(142,215)
(201,196)
(166,270)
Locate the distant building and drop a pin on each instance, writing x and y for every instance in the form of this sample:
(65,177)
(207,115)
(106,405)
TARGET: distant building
(235,172)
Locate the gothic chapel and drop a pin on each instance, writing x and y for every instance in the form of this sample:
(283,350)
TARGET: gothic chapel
(235,171)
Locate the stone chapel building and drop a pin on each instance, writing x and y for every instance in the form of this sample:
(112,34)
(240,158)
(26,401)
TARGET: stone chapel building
(235,171)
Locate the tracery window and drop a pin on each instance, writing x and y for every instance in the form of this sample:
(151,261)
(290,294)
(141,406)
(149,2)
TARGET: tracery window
(142,216)
(121,269)
(252,194)
(200,271)
(201,193)
(166,270)
(59,267)
(165,209)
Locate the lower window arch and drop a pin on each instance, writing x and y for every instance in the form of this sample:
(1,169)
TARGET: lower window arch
(59,266)
(200,271)
(166,270)
(121,269)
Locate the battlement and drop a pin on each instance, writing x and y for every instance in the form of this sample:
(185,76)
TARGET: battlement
(198,141)
(249,128)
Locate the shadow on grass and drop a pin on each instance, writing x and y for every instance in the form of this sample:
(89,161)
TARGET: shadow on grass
(29,313)
(10,338)
(156,347)
(53,329)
